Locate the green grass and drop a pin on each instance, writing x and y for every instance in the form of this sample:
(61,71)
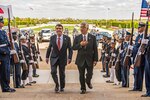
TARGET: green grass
(70,28)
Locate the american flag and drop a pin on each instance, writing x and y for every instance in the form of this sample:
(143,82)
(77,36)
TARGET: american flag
(144,9)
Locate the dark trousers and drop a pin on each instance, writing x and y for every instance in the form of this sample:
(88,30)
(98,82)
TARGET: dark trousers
(103,67)
(125,76)
(147,76)
(5,74)
(139,74)
(61,74)
(34,71)
(138,78)
(107,69)
(89,75)
(17,74)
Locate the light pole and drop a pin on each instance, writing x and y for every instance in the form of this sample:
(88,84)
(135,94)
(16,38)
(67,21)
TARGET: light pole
(107,16)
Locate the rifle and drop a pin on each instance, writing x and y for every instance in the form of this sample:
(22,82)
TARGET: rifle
(15,56)
(141,50)
(117,64)
(112,59)
(38,51)
(31,53)
(107,49)
(129,51)
(22,58)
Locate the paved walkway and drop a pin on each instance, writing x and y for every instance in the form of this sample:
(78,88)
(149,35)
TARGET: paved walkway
(44,89)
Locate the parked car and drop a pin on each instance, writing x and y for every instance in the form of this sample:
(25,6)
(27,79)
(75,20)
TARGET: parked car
(45,34)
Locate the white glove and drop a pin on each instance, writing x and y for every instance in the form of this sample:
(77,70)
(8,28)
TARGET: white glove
(145,41)
(130,47)
(106,54)
(22,61)
(113,67)
(13,52)
(31,54)
(103,51)
(120,51)
(113,54)
(31,61)
(35,62)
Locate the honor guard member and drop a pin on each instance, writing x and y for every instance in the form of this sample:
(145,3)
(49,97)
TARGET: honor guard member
(27,58)
(118,68)
(27,55)
(125,68)
(4,60)
(113,51)
(107,56)
(35,55)
(17,66)
(147,69)
(138,71)
(103,52)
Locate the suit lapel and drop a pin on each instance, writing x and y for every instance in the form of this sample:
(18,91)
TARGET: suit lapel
(64,41)
(89,39)
(55,44)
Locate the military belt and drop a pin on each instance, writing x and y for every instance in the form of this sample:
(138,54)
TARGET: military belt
(3,45)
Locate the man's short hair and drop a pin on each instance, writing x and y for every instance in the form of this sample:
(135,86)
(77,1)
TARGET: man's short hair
(85,24)
(59,25)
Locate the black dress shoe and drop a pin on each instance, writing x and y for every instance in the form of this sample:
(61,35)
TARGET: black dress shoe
(22,86)
(133,90)
(106,76)
(12,89)
(33,82)
(89,85)
(36,75)
(103,71)
(9,90)
(57,88)
(62,90)
(145,95)
(83,92)
(109,81)
(28,84)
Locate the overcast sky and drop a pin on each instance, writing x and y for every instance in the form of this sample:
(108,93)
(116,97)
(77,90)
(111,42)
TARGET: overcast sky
(92,9)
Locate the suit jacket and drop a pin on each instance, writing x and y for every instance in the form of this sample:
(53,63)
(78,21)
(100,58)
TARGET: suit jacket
(54,53)
(88,53)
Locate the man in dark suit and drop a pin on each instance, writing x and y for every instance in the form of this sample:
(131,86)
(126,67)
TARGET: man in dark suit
(57,52)
(87,56)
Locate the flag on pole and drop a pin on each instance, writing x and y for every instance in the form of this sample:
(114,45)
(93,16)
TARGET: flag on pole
(144,9)
(4,11)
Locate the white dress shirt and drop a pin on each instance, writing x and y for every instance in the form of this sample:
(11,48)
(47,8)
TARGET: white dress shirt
(61,40)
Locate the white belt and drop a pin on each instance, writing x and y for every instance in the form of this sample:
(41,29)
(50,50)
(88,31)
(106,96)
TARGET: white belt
(3,45)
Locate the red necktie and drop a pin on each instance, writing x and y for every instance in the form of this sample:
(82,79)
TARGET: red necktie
(84,38)
(58,43)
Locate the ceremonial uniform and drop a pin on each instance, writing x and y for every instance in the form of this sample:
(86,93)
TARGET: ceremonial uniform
(107,58)
(16,66)
(147,70)
(125,68)
(103,56)
(138,71)
(27,59)
(4,60)
(35,57)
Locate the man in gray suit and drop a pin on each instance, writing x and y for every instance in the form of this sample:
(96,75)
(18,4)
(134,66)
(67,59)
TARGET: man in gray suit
(57,52)
(87,55)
